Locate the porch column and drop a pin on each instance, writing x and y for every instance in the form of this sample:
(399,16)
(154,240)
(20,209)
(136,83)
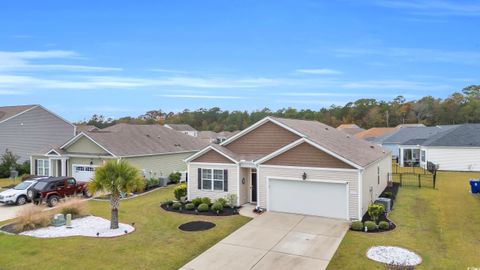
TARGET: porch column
(400,159)
(64,166)
(50,167)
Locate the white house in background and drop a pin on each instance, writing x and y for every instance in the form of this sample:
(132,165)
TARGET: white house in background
(183,128)
(456,149)
(26,129)
(293,166)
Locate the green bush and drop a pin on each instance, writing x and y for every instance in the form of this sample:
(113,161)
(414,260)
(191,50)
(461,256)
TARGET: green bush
(217,207)
(175,177)
(168,203)
(231,199)
(152,182)
(221,201)
(388,194)
(197,201)
(190,206)
(180,191)
(357,226)
(177,205)
(206,201)
(375,210)
(383,225)
(371,226)
(203,207)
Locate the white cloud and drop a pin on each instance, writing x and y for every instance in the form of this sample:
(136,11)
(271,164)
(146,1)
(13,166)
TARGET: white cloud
(320,71)
(201,96)
(24,61)
(11,93)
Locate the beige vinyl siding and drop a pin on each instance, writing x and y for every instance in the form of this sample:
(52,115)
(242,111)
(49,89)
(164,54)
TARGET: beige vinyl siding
(245,187)
(370,179)
(160,165)
(350,176)
(85,146)
(454,158)
(212,156)
(194,192)
(32,132)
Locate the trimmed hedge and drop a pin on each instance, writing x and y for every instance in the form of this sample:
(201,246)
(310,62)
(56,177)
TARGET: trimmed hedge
(177,205)
(197,201)
(217,207)
(383,225)
(189,206)
(203,207)
(371,226)
(207,201)
(357,226)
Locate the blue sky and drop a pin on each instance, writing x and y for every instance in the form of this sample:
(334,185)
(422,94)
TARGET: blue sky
(126,57)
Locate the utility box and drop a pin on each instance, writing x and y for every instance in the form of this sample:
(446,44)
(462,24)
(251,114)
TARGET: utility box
(58,220)
(162,181)
(386,202)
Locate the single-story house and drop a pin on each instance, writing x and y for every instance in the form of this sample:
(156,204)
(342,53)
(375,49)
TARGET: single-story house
(293,166)
(215,137)
(372,133)
(351,129)
(156,150)
(401,136)
(455,149)
(183,128)
(27,129)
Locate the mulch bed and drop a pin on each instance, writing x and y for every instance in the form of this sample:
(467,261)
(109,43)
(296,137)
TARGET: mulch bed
(9,228)
(196,226)
(227,211)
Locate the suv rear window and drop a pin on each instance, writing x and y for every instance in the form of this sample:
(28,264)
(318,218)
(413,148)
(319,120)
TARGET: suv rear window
(40,185)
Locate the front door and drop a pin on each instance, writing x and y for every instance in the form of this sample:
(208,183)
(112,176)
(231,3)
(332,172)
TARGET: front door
(254,185)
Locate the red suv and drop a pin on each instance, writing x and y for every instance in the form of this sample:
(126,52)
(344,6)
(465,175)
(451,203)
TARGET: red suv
(52,189)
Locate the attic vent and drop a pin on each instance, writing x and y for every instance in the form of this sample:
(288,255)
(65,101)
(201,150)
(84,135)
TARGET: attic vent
(326,128)
(177,145)
(371,146)
(148,135)
(348,136)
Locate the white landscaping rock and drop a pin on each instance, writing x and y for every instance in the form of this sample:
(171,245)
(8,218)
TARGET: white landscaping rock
(393,255)
(86,226)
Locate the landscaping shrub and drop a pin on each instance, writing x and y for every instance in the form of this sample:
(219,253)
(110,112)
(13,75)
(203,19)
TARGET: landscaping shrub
(175,177)
(388,194)
(371,226)
(74,206)
(206,201)
(203,207)
(177,205)
(374,211)
(357,226)
(168,203)
(217,207)
(384,225)
(197,201)
(221,201)
(31,218)
(180,191)
(231,199)
(152,182)
(190,206)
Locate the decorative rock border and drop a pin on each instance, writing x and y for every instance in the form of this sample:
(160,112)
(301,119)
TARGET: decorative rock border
(393,255)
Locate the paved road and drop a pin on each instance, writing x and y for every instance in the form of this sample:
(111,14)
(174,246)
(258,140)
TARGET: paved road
(275,241)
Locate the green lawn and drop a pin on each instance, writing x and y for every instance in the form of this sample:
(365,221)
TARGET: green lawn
(7,182)
(156,244)
(442,226)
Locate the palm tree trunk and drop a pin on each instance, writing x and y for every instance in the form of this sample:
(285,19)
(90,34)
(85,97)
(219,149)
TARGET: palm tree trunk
(114,201)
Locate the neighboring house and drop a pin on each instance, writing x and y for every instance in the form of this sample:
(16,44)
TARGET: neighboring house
(404,135)
(83,128)
(351,129)
(214,137)
(183,128)
(372,133)
(155,150)
(455,149)
(294,166)
(25,130)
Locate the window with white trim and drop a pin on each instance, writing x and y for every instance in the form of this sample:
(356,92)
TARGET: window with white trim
(43,167)
(212,179)
(422,155)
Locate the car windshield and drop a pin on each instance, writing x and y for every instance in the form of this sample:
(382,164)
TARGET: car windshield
(23,185)
(40,185)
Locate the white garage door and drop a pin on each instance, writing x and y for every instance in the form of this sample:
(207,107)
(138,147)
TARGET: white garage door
(83,172)
(324,199)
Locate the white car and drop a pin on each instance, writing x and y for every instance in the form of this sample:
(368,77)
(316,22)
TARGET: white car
(18,194)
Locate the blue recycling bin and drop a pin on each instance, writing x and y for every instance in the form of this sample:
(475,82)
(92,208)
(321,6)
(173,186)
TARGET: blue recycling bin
(475,185)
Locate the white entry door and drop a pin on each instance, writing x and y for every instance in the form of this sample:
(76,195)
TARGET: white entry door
(83,172)
(325,199)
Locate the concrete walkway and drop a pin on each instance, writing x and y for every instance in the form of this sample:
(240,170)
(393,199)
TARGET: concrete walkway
(275,241)
(10,211)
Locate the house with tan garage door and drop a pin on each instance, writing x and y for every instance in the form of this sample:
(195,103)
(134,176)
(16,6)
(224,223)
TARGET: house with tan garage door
(155,150)
(293,166)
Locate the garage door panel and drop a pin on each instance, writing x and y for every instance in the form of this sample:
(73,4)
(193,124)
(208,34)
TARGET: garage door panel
(308,197)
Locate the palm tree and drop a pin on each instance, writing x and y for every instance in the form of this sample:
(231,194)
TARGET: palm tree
(116,177)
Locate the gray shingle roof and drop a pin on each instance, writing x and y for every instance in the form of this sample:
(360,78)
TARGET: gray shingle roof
(9,111)
(403,135)
(466,135)
(181,127)
(132,140)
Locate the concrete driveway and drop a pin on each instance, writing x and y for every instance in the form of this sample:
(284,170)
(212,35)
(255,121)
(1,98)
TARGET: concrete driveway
(10,211)
(275,241)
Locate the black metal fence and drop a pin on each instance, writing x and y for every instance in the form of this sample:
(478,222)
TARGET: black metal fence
(413,176)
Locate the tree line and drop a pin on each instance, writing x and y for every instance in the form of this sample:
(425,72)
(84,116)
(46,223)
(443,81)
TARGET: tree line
(459,107)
